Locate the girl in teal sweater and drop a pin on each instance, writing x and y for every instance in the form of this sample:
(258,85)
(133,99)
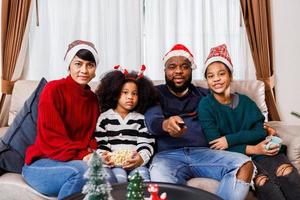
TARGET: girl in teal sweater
(233,122)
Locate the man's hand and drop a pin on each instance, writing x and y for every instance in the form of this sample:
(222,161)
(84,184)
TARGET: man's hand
(219,144)
(172,126)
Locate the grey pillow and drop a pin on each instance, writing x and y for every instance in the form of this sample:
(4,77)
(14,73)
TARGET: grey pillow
(20,134)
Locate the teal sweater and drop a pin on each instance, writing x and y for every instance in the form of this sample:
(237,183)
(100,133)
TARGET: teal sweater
(242,125)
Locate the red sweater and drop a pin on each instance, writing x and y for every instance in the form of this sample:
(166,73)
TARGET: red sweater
(67,116)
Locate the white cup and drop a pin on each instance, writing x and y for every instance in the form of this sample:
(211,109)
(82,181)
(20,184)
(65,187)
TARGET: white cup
(273,141)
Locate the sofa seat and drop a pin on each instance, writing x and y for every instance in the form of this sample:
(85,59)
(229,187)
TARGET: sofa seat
(212,185)
(13,187)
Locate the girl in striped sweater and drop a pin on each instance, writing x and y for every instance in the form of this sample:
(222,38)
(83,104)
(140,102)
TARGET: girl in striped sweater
(123,139)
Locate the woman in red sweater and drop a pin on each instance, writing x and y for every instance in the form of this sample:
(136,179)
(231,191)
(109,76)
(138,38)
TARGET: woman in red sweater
(67,116)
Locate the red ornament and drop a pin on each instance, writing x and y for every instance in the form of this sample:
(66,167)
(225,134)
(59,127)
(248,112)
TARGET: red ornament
(153,190)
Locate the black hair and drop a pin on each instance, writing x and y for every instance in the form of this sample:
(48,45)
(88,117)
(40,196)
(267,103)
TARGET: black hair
(109,91)
(86,55)
(227,68)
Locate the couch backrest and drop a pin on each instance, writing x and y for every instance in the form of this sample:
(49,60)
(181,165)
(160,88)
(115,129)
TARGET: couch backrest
(255,89)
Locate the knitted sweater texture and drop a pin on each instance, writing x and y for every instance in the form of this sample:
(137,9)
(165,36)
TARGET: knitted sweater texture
(67,116)
(114,133)
(186,108)
(242,125)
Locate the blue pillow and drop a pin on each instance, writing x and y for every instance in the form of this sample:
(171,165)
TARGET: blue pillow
(20,134)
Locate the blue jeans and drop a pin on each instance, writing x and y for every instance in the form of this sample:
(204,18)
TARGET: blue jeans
(180,165)
(55,178)
(119,175)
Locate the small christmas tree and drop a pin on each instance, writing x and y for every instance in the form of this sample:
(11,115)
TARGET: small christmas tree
(96,187)
(135,188)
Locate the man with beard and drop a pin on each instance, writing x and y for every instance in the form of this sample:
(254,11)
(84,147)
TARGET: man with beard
(182,149)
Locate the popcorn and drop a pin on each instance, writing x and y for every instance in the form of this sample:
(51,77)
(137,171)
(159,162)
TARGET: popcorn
(120,156)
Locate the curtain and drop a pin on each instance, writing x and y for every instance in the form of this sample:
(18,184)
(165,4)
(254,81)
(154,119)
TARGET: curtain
(257,19)
(13,45)
(135,32)
(200,25)
(114,26)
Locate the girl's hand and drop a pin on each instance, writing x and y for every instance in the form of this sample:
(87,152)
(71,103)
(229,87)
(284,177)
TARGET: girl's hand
(260,148)
(270,131)
(134,162)
(219,144)
(106,158)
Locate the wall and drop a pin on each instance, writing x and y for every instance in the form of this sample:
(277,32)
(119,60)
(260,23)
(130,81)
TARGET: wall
(286,43)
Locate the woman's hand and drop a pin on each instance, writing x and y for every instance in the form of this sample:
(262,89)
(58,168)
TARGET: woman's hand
(134,162)
(219,144)
(106,158)
(87,157)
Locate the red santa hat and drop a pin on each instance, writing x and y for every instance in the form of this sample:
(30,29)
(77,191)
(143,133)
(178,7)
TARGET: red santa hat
(219,54)
(77,45)
(180,50)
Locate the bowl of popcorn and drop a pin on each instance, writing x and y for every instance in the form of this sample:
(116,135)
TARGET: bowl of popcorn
(120,156)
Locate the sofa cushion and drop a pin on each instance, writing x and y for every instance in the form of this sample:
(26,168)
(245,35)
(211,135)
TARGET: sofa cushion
(3,131)
(290,137)
(211,185)
(13,187)
(255,89)
(208,184)
(21,133)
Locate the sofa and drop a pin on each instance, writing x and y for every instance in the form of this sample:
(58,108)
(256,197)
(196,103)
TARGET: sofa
(13,187)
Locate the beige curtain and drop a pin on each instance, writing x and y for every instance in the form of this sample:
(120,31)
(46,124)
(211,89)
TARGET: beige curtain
(257,18)
(14,41)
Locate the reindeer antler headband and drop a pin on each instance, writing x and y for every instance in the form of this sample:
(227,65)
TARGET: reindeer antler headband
(125,71)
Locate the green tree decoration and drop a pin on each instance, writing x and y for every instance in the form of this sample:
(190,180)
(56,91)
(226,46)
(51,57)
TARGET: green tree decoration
(136,187)
(96,187)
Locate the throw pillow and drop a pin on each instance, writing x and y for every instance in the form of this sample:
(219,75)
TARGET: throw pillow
(20,134)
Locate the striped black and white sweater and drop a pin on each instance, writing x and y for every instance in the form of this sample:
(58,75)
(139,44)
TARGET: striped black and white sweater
(115,133)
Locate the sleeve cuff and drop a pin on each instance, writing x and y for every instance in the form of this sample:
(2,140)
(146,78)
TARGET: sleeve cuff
(231,140)
(145,156)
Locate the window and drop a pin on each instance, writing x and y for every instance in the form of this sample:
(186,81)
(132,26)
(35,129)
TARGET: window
(135,32)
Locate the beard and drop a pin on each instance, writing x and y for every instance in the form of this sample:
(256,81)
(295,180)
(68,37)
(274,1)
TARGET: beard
(178,89)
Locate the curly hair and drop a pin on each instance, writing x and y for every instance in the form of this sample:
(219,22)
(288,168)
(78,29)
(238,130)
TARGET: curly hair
(109,90)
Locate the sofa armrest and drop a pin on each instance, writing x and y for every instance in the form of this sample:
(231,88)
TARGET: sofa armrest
(12,186)
(290,134)
(3,131)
